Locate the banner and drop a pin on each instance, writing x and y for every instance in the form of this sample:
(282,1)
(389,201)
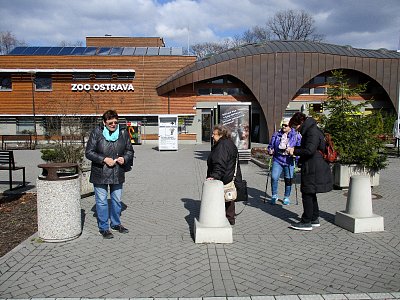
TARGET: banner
(237,118)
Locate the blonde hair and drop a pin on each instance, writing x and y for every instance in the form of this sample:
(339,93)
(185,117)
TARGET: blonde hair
(223,131)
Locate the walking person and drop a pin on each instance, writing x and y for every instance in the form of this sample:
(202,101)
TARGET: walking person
(221,163)
(281,140)
(316,176)
(110,150)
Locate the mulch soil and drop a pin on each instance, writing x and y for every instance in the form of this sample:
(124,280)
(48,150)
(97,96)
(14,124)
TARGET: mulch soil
(18,220)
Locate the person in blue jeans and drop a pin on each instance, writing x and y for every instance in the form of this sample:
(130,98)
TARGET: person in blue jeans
(110,150)
(282,161)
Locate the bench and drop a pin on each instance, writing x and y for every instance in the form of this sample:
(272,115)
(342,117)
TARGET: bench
(7,163)
(21,141)
(73,139)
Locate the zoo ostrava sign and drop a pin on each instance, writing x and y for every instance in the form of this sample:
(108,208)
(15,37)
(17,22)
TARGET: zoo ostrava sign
(102,87)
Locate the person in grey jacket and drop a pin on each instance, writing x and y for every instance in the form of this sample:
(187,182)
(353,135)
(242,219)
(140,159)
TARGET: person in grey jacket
(110,150)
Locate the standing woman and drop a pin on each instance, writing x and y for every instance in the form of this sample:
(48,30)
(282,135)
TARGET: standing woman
(281,140)
(110,150)
(221,164)
(316,176)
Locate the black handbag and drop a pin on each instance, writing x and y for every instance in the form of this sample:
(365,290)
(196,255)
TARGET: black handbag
(241,188)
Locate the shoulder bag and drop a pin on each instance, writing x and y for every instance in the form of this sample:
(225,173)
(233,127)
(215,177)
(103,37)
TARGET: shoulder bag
(230,191)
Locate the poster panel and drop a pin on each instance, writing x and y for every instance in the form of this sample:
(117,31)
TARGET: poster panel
(168,132)
(134,130)
(237,118)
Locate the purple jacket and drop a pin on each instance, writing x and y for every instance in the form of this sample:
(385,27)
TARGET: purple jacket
(294,140)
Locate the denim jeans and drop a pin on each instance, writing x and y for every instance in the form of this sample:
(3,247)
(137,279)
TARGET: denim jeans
(276,172)
(104,211)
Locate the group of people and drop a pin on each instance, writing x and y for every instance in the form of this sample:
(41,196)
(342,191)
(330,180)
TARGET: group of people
(299,141)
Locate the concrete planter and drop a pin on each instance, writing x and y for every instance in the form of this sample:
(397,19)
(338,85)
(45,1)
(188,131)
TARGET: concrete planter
(342,174)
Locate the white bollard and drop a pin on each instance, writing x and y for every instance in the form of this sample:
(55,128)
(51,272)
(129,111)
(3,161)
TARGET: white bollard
(212,226)
(358,216)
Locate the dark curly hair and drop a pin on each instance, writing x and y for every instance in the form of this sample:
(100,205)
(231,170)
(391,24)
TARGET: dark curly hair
(297,119)
(110,114)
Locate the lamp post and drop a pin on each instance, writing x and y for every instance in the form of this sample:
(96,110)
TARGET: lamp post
(32,73)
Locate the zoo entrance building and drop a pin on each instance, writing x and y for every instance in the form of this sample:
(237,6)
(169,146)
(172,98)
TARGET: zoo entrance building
(142,79)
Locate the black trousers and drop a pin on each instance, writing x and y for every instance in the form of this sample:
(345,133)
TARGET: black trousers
(310,207)
(230,210)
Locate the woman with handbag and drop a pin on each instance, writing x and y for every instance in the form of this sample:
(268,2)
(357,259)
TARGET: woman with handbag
(222,163)
(110,150)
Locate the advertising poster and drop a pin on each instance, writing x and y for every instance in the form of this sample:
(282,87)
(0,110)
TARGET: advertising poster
(236,116)
(168,132)
(134,130)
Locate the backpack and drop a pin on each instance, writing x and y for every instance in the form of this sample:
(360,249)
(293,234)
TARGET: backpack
(329,154)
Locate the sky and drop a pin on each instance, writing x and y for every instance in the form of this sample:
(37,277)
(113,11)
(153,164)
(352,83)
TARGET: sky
(368,24)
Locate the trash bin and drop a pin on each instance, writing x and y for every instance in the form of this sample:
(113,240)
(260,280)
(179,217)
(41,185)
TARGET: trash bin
(58,202)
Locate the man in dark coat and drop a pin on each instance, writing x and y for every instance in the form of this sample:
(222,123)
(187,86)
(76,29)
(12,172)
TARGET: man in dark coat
(316,175)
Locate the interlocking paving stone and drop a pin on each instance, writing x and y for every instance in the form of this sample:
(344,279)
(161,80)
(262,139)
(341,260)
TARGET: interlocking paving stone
(159,258)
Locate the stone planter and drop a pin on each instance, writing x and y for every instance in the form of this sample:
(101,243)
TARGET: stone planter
(342,174)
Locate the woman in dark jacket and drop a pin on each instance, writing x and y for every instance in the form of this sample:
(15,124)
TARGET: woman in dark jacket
(316,175)
(221,164)
(110,150)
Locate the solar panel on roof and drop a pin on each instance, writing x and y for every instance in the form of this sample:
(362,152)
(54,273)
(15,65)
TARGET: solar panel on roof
(104,51)
(116,51)
(42,50)
(164,51)
(66,51)
(176,51)
(78,51)
(17,50)
(128,51)
(90,51)
(30,50)
(140,50)
(54,50)
(152,51)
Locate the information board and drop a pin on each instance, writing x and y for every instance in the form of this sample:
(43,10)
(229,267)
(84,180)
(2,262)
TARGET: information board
(236,116)
(134,130)
(167,132)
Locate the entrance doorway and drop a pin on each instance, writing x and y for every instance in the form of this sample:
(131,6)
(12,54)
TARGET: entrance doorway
(206,125)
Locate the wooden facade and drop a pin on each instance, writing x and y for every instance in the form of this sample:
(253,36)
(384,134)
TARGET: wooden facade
(115,41)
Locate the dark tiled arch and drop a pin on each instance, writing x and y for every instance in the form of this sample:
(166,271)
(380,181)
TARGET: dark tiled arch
(274,71)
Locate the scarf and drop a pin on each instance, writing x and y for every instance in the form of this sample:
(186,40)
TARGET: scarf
(111,137)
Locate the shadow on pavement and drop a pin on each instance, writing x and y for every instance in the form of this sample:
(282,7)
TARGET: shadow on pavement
(193,206)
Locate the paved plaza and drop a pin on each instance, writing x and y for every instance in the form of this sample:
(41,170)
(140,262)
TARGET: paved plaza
(159,259)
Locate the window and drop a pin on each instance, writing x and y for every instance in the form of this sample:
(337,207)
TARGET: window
(103,76)
(43,82)
(234,91)
(5,82)
(126,76)
(81,76)
(217,91)
(25,125)
(203,91)
(303,91)
(319,90)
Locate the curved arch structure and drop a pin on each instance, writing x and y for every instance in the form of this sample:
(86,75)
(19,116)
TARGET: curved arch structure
(274,71)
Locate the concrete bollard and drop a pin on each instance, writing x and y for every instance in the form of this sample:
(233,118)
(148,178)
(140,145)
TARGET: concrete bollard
(212,226)
(358,216)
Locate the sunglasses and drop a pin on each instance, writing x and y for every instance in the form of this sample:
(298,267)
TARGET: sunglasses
(285,125)
(112,123)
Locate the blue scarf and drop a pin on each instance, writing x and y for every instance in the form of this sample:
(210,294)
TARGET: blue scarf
(111,137)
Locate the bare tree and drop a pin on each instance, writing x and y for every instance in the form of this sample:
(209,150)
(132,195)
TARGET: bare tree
(70,44)
(201,50)
(256,34)
(293,25)
(8,42)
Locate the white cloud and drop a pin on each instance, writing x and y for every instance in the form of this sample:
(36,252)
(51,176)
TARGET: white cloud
(361,23)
